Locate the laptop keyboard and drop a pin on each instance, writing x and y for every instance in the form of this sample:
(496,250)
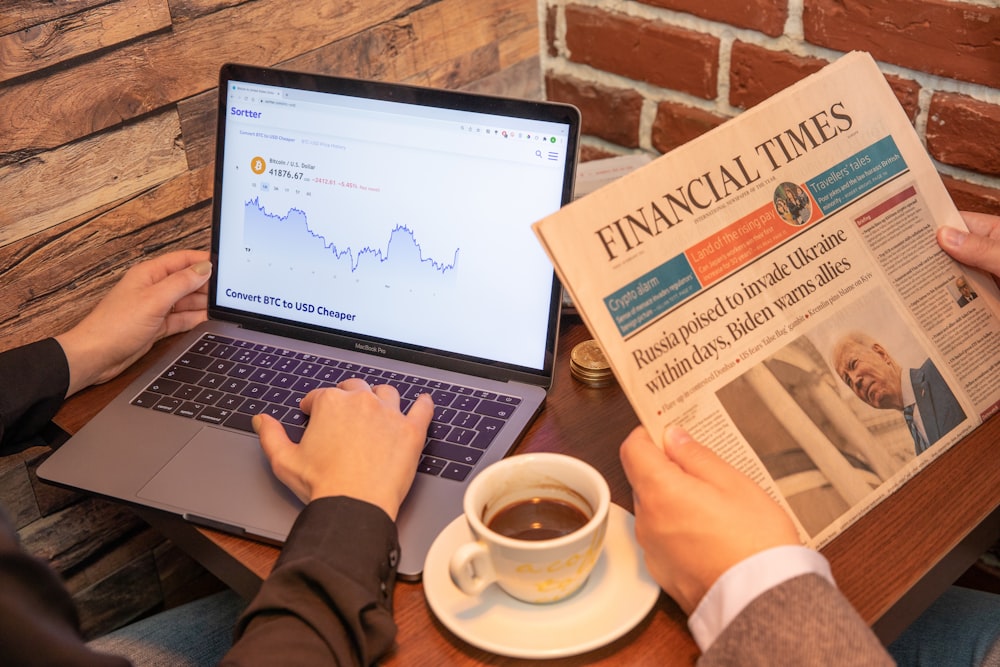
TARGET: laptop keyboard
(226,381)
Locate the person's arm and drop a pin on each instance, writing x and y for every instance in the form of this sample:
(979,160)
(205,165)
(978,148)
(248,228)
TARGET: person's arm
(721,548)
(39,624)
(329,598)
(804,621)
(33,382)
(158,297)
(155,298)
(742,583)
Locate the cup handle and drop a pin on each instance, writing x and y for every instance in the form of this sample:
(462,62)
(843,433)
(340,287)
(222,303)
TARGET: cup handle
(471,568)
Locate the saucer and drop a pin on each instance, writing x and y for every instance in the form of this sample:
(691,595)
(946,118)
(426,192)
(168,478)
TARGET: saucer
(617,596)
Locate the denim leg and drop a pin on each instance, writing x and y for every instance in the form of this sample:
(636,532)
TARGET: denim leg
(962,627)
(195,634)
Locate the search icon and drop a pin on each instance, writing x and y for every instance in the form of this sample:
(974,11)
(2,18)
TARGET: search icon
(538,153)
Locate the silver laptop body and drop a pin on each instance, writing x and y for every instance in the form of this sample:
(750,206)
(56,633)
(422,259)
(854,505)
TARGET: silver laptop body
(359,229)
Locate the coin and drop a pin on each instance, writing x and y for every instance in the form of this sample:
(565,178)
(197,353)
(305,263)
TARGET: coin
(590,356)
(588,365)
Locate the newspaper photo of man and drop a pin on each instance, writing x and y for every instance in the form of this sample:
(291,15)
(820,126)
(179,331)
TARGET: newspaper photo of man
(921,394)
(965,292)
(834,414)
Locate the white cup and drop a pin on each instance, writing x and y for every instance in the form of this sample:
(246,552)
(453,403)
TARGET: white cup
(535,571)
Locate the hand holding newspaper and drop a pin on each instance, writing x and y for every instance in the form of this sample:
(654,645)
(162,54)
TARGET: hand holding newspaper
(775,287)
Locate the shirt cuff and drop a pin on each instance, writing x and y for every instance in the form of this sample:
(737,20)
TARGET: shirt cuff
(33,383)
(742,583)
(350,536)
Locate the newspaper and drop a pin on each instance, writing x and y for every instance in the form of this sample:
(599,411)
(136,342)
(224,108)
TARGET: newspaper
(775,287)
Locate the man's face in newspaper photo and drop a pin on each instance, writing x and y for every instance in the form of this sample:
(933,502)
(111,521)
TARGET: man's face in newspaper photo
(870,371)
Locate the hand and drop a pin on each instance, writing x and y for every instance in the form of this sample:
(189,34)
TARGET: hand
(357,444)
(695,515)
(979,247)
(154,299)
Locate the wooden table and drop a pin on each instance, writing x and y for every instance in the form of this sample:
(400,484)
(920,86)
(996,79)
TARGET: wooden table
(890,564)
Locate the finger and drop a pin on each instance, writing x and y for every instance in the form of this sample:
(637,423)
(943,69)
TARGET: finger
(306,404)
(645,465)
(172,287)
(387,394)
(197,300)
(697,460)
(279,451)
(354,384)
(972,249)
(422,410)
(183,321)
(983,224)
(635,449)
(172,262)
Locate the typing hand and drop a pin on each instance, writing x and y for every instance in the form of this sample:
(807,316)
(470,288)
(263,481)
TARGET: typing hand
(357,444)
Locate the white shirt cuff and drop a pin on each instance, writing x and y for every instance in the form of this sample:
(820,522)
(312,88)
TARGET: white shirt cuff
(742,583)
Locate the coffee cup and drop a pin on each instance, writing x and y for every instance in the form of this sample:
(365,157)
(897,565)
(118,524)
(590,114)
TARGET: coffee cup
(538,523)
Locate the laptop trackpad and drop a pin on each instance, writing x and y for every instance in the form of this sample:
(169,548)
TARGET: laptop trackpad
(224,477)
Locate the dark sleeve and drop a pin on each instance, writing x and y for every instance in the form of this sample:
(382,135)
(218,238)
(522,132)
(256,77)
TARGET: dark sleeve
(804,621)
(39,623)
(329,598)
(33,383)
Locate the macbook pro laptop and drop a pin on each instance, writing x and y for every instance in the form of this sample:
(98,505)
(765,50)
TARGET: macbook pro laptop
(359,229)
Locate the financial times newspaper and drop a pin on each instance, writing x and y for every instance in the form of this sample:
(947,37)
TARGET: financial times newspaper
(776,288)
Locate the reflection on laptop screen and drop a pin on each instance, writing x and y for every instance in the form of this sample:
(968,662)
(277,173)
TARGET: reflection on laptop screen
(398,222)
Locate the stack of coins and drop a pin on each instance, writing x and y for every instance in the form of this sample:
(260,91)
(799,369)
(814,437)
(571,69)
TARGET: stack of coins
(588,364)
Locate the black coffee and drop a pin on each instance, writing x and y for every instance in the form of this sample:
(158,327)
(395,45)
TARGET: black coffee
(538,519)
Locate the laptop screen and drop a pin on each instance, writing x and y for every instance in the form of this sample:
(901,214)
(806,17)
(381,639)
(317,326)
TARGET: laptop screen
(397,217)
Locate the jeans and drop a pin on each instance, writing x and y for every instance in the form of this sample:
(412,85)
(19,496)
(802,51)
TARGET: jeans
(195,634)
(962,627)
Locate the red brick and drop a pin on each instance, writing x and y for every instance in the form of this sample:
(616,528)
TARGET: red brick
(643,50)
(953,39)
(964,132)
(677,124)
(588,153)
(971,197)
(908,94)
(756,73)
(609,113)
(766,16)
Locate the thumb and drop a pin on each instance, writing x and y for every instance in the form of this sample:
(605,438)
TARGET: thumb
(972,249)
(276,445)
(281,453)
(695,459)
(181,283)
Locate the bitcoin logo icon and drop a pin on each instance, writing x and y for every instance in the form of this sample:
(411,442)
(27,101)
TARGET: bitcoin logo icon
(258,165)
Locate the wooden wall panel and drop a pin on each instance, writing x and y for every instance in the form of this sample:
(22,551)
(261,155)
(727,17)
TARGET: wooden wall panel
(80,176)
(66,38)
(108,116)
(15,16)
(107,110)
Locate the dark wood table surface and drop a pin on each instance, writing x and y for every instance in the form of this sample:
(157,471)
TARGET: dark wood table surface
(890,564)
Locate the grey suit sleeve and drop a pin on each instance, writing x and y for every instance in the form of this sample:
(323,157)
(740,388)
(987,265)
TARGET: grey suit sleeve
(804,621)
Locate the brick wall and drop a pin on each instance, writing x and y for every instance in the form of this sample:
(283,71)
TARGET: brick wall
(649,75)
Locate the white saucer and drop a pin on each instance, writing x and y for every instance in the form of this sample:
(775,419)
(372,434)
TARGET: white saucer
(617,596)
